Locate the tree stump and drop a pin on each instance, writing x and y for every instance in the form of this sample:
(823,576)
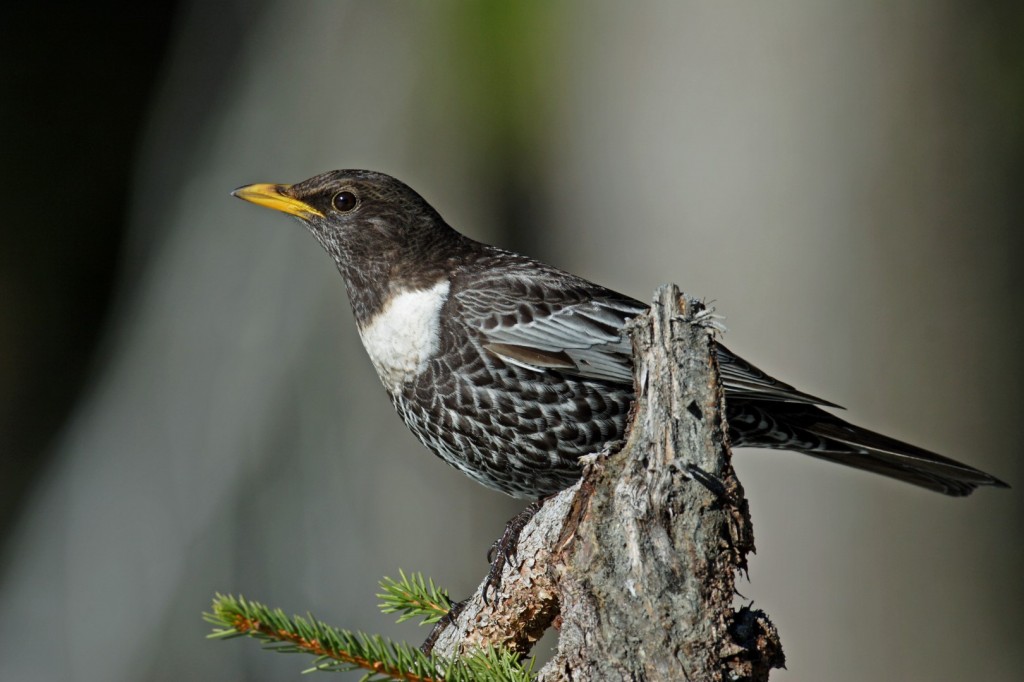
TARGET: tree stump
(636,564)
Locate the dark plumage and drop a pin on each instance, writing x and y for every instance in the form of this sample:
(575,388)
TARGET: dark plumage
(510,370)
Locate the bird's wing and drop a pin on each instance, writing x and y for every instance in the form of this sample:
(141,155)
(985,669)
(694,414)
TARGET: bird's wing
(565,324)
(545,319)
(744,380)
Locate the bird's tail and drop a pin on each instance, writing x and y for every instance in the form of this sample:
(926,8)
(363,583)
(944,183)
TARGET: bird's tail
(813,431)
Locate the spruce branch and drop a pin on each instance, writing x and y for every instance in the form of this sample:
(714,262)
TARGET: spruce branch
(338,650)
(414,596)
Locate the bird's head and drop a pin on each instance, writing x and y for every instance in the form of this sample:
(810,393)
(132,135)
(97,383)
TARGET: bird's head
(356,214)
(382,235)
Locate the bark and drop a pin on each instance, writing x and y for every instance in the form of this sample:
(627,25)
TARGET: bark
(636,564)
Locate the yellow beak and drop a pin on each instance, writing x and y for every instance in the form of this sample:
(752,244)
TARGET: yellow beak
(276,197)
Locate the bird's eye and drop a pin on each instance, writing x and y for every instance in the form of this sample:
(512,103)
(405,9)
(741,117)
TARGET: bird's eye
(344,201)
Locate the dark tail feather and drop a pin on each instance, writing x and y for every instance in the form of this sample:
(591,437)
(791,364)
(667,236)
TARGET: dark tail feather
(815,432)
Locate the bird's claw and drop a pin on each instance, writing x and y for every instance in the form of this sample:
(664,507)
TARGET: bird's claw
(454,609)
(503,551)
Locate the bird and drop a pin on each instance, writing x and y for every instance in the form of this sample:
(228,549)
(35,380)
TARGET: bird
(511,370)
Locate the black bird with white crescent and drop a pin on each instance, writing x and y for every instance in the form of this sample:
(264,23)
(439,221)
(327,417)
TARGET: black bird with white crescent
(511,370)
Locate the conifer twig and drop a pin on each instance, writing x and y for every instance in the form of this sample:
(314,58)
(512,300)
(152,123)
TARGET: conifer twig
(414,596)
(341,650)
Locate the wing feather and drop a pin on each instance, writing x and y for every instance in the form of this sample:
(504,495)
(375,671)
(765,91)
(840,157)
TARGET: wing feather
(744,380)
(571,326)
(547,319)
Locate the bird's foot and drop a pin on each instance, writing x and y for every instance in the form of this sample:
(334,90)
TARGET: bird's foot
(503,550)
(454,609)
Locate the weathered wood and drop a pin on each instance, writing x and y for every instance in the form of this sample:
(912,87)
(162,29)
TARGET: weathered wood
(636,564)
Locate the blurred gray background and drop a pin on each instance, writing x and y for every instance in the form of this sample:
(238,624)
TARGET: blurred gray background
(184,404)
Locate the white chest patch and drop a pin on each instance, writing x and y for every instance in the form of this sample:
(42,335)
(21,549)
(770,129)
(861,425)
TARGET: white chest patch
(403,336)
